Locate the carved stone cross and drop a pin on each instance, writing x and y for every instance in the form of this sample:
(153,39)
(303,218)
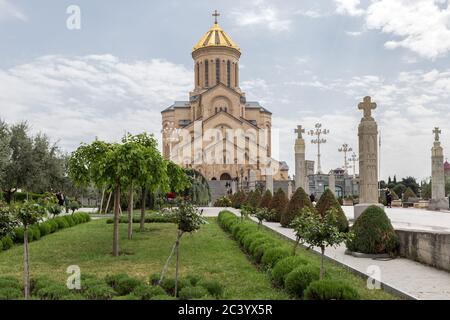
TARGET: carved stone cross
(367,105)
(299,131)
(436,132)
(215,15)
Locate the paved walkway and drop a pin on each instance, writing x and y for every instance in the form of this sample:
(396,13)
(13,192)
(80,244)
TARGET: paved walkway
(412,278)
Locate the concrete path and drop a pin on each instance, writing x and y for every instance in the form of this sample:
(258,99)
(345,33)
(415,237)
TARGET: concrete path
(403,275)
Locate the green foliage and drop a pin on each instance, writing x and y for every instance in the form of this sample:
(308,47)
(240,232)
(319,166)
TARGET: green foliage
(238,199)
(62,223)
(190,293)
(6,242)
(284,266)
(54,209)
(298,201)
(9,282)
(69,220)
(34,229)
(223,202)
(264,214)
(300,278)
(266,199)
(278,204)
(45,228)
(327,202)
(254,199)
(328,289)
(188,217)
(409,193)
(146,292)
(126,285)
(7,221)
(8,293)
(168,284)
(96,289)
(74,206)
(214,288)
(373,233)
(272,256)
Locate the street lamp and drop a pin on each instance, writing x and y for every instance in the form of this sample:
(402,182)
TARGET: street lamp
(318,132)
(354,158)
(345,149)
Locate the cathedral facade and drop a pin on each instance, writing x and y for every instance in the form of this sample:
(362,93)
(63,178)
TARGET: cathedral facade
(217,131)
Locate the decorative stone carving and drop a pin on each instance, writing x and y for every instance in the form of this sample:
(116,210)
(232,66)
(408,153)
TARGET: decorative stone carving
(301,179)
(438,200)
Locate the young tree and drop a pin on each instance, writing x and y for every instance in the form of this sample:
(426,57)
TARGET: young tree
(7,222)
(266,199)
(279,203)
(189,219)
(319,231)
(298,201)
(263,214)
(27,214)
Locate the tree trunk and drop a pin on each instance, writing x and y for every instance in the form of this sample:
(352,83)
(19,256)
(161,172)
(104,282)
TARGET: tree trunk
(322,270)
(143,199)
(180,234)
(130,213)
(26,265)
(108,202)
(8,195)
(101,202)
(178,262)
(116,221)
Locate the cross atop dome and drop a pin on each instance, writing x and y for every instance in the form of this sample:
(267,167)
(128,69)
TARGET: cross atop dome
(215,15)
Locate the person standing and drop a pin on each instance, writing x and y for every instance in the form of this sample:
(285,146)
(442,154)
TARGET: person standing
(388,198)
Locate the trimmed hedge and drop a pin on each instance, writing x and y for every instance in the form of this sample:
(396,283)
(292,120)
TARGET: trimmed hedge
(273,255)
(328,201)
(153,218)
(374,233)
(300,278)
(190,292)
(327,289)
(284,267)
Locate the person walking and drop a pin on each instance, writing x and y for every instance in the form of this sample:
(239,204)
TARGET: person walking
(388,198)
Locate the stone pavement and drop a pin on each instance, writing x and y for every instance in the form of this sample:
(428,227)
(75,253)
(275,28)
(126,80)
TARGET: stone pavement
(402,275)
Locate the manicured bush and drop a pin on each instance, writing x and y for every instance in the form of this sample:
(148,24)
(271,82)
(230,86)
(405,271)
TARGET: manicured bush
(258,242)
(94,289)
(62,223)
(215,288)
(18,235)
(278,204)
(7,242)
(9,282)
(409,193)
(300,278)
(146,292)
(168,284)
(190,292)
(250,238)
(272,256)
(284,266)
(193,279)
(44,228)
(298,201)
(39,283)
(373,233)
(69,220)
(223,202)
(328,201)
(328,289)
(254,199)
(34,229)
(126,285)
(53,225)
(238,199)
(266,199)
(261,249)
(54,291)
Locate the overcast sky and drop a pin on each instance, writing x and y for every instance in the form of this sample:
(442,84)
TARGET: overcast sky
(306,61)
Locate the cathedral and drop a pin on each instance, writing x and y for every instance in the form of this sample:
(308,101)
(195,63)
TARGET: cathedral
(217,131)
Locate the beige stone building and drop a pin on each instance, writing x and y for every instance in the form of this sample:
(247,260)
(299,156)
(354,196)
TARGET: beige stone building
(217,131)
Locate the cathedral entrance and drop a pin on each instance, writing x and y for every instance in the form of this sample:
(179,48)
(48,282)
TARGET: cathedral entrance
(225,176)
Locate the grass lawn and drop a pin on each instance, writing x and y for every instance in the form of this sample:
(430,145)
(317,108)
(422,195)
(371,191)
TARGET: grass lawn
(209,252)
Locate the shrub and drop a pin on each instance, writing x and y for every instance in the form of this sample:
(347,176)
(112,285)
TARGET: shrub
(278,204)
(261,249)
(298,201)
(154,279)
(126,285)
(6,242)
(62,223)
(223,202)
(44,228)
(39,283)
(168,284)
(69,220)
(74,206)
(18,235)
(163,297)
(254,199)
(373,233)
(145,292)
(266,199)
(94,289)
(127,297)
(238,199)
(9,282)
(190,292)
(328,289)
(300,278)
(193,279)
(284,266)
(9,293)
(328,201)
(53,225)
(34,229)
(409,193)
(272,256)
(54,291)
(258,242)
(249,238)
(215,288)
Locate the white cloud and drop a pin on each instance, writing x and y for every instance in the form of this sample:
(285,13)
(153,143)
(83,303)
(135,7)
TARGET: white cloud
(349,7)
(423,26)
(74,99)
(10,11)
(259,13)
(354,33)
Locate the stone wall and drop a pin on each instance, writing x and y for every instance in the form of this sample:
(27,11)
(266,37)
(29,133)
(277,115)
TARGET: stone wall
(430,248)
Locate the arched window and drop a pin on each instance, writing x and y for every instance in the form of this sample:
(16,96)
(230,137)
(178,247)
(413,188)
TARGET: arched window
(217,71)
(206,73)
(229,73)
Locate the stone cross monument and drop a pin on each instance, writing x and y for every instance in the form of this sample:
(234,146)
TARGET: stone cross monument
(438,200)
(301,179)
(368,158)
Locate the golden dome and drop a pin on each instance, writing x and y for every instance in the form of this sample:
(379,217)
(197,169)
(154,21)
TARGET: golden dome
(216,37)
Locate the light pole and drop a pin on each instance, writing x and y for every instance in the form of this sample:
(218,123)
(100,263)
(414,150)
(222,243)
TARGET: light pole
(353,158)
(318,131)
(345,149)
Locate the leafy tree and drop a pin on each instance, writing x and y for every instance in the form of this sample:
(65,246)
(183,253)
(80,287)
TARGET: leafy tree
(410,182)
(27,214)
(263,214)
(266,199)
(7,222)
(189,219)
(298,201)
(319,231)
(238,199)
(399,189)
(409,193)
(74,206)
(199,191)
(327,202)
(278,203)
(254,198)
